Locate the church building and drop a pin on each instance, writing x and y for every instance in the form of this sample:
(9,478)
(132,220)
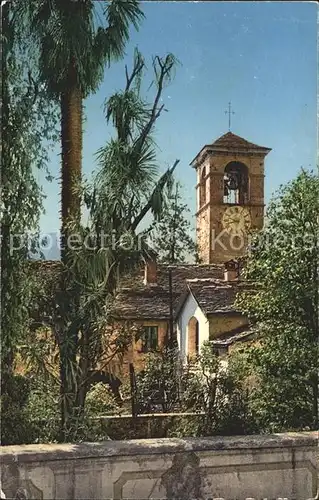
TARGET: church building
(200,300)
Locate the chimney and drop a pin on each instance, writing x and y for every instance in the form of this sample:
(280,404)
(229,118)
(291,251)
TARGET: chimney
(150,272)
(231,270)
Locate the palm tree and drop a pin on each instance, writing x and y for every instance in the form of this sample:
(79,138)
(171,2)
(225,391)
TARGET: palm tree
(76,40)
(74,48)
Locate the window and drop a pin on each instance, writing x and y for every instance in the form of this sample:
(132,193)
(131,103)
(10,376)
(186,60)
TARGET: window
(150,338)
(221,351)
(236,183)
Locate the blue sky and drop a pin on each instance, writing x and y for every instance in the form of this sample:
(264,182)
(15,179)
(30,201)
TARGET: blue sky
(260,55)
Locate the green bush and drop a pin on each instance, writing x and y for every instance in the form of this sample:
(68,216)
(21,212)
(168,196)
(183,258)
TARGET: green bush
(158,384)
(101,401)
(15,424)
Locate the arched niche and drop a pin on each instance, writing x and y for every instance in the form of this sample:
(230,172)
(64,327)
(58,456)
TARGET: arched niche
(202,187)
(236,183)
(193,337)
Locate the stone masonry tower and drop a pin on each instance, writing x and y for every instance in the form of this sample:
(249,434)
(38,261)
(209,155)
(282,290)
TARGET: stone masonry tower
(230,196)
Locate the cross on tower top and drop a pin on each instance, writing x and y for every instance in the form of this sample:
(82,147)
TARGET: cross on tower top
(229,112)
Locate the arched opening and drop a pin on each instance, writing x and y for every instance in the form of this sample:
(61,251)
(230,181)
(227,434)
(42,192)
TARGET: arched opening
(193,337)
(202,188)
(236,183)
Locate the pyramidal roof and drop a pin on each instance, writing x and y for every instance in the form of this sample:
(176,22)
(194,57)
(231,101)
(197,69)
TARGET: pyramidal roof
(231,140)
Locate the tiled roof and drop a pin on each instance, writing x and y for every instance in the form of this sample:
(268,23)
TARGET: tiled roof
(214,295)
(231,140)
(232,143)
(242,334)
(136,300)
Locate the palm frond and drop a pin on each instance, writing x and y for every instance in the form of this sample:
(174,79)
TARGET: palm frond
(127,112)
(120,14)
(67,37)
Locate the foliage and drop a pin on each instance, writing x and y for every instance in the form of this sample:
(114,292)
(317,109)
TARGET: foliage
(171,239)
(15,427)
(75,41)
(157,384)
(42,409)
(88,334)
(78,309)
(73,49)
(79,35)
(202,387)
(101,401)
(283,268)
(27,119)
(127,185)
(28,129)
(210,387)
(33,414)
(29,410)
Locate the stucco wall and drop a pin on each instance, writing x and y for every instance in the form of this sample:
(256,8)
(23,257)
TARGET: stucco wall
(134,353)
(223,323)
(250,467)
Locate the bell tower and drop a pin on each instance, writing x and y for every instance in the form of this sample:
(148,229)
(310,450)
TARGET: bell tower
(230,196)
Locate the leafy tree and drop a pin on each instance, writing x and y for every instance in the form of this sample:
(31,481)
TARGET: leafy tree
(171,237)
(26,119)
(283,267)
(127,185)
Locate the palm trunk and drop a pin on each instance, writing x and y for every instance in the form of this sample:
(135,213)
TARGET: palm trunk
(71,141)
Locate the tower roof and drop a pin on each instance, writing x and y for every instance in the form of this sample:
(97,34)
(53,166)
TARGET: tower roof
(232,143)
(231,140)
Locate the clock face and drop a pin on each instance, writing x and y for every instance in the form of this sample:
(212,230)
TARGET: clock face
(236,220)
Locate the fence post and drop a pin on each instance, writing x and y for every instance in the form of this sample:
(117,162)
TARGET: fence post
(133,390)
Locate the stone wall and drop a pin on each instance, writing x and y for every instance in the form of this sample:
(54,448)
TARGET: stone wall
(250,467)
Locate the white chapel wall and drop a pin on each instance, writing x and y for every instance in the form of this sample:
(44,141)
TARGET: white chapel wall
(191,309)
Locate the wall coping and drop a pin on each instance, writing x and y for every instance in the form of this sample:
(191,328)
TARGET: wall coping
(152,416)
(53,452)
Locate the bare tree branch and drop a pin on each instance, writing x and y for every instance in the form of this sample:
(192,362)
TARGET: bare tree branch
(165,69)
(137,68)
